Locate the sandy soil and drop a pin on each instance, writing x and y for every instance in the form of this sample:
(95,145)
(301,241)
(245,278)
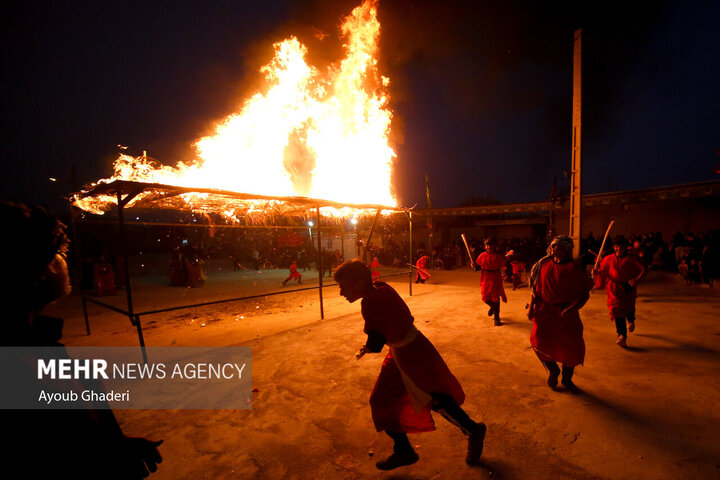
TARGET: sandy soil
(650,411)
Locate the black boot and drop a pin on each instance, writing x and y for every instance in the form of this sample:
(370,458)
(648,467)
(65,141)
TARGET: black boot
(497,314)
(567,373)
(403,453)
(446,406)
(492,308)
(476,440)
(554,373)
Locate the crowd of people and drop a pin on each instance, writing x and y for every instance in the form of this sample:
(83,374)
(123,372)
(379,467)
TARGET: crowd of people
(414,379)
(695,257)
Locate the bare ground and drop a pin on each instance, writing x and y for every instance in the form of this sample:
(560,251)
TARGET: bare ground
(650,411)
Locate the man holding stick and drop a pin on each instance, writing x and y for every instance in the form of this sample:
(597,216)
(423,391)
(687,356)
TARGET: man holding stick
(421,273)
(560,289)
(414,378)
(491,285)
(621,272)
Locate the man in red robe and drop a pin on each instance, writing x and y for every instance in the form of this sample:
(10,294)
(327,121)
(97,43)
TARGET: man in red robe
(491,286)
(621,273)
(414,378)
(104,278)
(294,274)
(374,267)
(421,268)
(560,289)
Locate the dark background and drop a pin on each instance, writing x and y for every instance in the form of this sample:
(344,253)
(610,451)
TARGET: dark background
(481,91)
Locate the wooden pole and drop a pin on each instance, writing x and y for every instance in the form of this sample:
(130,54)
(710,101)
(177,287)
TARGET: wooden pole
(467,248)
(576,177)
(602,246)
(367,244)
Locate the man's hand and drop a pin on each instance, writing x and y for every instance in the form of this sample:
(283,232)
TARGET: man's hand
(141,456)
(632,282)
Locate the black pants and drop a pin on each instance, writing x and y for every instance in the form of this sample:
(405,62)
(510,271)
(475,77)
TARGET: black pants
(620,324)
(446,406)
(496,308)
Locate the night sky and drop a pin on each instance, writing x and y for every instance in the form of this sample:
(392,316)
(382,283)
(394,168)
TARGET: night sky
(481,91)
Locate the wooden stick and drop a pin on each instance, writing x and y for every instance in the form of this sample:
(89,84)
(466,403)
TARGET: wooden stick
(372,230)
(418,269)
(467,247)
(602,246)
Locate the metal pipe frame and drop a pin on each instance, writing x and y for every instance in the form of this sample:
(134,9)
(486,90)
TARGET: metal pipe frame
(135,316)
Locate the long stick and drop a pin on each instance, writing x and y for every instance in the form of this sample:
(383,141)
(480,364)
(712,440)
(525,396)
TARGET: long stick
(372,230)
(602,246)
(467,247)
(418,269)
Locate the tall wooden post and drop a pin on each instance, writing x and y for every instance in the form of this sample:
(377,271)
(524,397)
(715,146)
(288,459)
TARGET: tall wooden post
(576,178)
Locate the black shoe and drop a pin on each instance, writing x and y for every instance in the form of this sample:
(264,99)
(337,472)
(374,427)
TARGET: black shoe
(554,373)
(498,322)
(476,442)
(491,311)
(398,460)
(570,386)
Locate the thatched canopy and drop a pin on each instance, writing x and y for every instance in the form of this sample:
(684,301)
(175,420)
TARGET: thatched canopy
(103,197)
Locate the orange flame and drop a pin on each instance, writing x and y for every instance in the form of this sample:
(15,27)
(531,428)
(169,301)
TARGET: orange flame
(314,134)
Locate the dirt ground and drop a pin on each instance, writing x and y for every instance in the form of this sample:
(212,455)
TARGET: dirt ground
(650,411)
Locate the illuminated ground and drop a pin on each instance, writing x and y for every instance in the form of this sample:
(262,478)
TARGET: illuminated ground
(651,411)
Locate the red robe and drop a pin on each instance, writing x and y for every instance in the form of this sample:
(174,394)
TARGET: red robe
(617,271)
(105,279)
(374,269)
(411,371)
(491,285)
(294,273)
(195,275)
(555,337)
(422,268)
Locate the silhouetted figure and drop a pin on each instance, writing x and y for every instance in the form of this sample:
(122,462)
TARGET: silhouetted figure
(67,444)
(414,378)
(177,273)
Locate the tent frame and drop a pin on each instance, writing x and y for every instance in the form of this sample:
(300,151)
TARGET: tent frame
(125,191)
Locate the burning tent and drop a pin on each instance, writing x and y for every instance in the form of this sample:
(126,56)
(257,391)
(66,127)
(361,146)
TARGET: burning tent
(310,133)
(310,141)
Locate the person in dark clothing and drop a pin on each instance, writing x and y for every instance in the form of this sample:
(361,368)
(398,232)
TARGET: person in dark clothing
(78,444)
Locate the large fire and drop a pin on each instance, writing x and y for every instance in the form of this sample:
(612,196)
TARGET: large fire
(311,133)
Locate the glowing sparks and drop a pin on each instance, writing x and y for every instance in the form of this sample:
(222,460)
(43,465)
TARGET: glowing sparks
(312,133)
